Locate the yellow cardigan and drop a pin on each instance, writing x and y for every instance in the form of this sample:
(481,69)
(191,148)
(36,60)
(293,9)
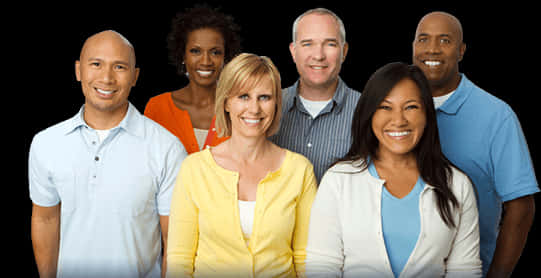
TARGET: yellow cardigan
(205,237)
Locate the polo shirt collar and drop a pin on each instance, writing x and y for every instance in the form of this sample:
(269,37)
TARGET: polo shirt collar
(131,123)
(462,92)
(339,97)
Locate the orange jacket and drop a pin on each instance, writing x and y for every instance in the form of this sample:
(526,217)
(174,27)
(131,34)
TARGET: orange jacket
(162,110)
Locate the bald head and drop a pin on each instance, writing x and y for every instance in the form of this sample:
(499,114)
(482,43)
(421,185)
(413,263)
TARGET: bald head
(109,37)
(443,20)
(438,47)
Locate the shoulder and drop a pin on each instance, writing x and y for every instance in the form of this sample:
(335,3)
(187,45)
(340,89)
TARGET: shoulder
(461,185)
(54,135)
(484,102)
(161,98)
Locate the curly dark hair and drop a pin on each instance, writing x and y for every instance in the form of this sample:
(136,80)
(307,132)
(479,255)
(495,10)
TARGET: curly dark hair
(198,17)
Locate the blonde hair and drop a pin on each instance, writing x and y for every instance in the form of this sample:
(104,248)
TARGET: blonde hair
(242,74)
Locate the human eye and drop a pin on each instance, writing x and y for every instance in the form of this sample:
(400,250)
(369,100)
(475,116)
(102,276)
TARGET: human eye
(412,107)
(265,97)
(195,51)
(95,64)
(445,41)
(243,97)
(217,52)
(384,107)
(120,67)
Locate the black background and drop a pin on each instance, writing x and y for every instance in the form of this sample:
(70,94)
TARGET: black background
(501,58)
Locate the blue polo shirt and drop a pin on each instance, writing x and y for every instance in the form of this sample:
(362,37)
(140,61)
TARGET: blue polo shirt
(481,135)
(112,193)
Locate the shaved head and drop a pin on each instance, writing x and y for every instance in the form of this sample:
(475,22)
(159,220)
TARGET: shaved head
(108,35)
(442,18)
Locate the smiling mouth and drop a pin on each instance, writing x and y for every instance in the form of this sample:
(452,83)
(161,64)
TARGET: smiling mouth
(251,121)
(398,134)
(205,73)
(105,92)
(432,63)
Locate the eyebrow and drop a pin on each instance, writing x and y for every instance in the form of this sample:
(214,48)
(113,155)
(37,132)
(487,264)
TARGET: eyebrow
(114,62)
(411,100)
(438,35)
(324,40)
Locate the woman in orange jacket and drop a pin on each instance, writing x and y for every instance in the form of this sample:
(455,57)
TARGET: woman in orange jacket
(201,40)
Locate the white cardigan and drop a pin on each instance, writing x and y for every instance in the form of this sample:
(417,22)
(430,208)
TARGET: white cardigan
(345,237)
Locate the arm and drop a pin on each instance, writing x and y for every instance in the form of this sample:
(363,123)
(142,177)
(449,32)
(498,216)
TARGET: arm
(517,221)
(183,234)
(45,233)
(300,234)
(324,253)
(464,259)
(164,224)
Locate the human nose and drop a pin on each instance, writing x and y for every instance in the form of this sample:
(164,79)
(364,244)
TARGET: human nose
(398,118)
(107,75)
(319,53)
(254,106)
(205,59)
(433,47)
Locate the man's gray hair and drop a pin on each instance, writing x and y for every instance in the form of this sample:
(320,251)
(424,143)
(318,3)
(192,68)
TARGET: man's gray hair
(321,11)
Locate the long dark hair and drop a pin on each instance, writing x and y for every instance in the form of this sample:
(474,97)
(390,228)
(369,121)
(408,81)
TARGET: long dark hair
(434,167)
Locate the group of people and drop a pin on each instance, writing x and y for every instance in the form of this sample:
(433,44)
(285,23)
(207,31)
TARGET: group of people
(424,174)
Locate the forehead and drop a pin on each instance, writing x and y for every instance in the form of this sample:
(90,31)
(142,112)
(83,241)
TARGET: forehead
(405,90)
(313,26)
(205,36)
(255,85)
(437,25)
(108,48)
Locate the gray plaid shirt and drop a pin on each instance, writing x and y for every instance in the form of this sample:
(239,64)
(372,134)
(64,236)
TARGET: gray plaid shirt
(322,139)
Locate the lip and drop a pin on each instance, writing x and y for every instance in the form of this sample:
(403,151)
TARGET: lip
(432,63)
(204,73)
(251,121)
(105,93)
(318,67)
(398,134)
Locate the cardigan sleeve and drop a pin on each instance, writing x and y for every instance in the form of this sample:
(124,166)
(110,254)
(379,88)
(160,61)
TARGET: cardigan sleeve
(302,219)
(183,235)
(463,259)
(324,253)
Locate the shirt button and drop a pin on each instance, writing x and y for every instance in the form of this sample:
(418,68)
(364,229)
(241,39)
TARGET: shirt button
(309,145)
(93,142)
(96,158)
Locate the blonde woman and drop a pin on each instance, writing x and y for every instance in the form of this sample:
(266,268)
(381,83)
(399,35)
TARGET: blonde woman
(241,209)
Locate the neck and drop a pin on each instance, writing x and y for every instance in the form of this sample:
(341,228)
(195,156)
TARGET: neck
(248,149)
(317,93)
(396,161)
(102,120)
(439,90)
(201,95)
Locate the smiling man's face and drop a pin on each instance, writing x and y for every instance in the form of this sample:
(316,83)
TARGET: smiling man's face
(437,50)
(107,72)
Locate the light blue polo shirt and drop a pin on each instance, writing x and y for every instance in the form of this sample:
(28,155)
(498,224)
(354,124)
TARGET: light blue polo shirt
(111,193)
(481,135)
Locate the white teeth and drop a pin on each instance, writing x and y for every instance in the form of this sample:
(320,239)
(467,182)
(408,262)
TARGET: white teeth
(316,67)
(432,63)
(398,134)
(252,121)
(104,92)
(204,73)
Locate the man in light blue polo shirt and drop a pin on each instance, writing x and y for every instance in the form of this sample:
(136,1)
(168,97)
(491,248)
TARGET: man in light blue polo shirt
(101,182)
(481,135)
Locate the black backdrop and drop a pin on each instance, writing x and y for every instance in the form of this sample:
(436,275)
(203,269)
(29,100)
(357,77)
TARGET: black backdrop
(500,57)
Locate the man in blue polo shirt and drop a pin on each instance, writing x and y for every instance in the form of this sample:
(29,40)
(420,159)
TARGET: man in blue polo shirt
(101,182)
(482,136)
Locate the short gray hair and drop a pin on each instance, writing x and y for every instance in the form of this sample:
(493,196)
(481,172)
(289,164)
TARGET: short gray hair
(321,11)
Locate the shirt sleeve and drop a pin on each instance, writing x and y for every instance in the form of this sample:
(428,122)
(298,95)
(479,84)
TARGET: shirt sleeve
(43,191)
(183,235)
(173,159)
(514,176)
(463,259)
(304,205)
(324,253)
